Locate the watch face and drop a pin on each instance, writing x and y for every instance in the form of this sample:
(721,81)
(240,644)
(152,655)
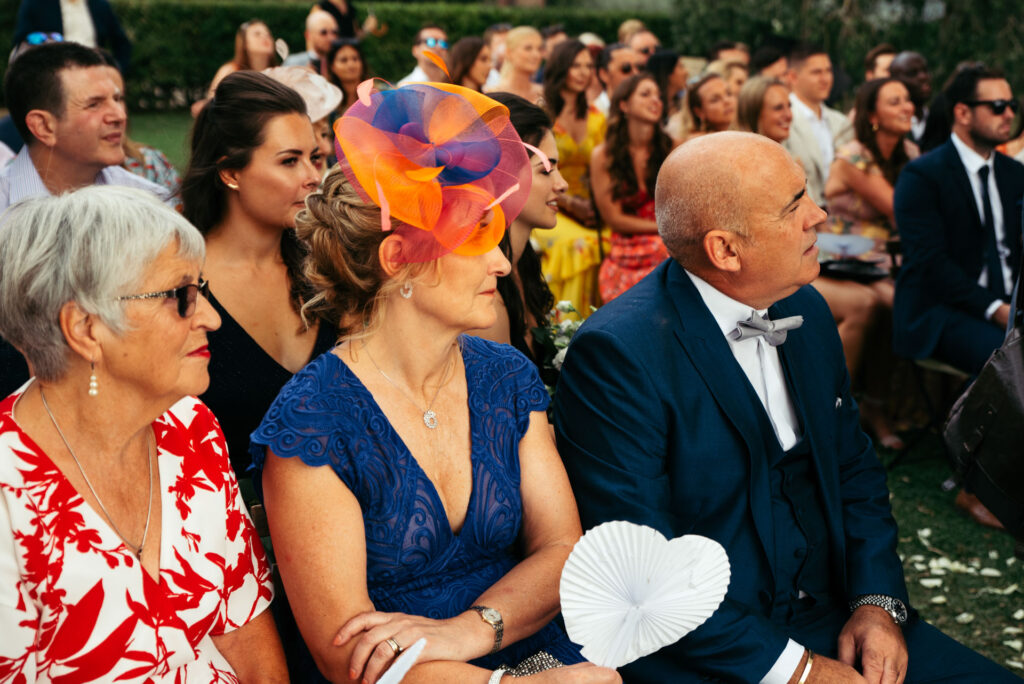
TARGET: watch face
(491,615)
(899,612)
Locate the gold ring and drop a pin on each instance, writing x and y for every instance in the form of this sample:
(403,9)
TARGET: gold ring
(394,645)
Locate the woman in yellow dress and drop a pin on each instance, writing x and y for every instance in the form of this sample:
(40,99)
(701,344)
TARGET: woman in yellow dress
(573,250)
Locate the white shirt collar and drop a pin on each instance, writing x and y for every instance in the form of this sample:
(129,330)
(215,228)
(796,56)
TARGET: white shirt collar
(799,107)
(726,310)
(972,160)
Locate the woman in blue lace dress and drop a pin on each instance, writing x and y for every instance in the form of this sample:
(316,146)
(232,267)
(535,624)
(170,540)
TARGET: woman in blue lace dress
(410,479)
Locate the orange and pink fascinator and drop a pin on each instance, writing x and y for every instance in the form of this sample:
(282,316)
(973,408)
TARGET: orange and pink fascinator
(443,163)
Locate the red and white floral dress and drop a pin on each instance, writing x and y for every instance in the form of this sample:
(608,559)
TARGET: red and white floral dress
(76,605)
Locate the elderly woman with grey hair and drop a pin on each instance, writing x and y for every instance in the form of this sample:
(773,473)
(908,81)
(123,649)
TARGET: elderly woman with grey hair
(125,551)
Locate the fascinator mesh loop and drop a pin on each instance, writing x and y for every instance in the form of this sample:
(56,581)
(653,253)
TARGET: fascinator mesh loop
(443,163)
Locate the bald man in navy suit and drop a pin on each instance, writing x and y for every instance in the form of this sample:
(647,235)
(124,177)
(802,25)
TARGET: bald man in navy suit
(712,398)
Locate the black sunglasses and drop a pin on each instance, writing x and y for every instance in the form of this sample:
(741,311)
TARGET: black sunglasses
(186,296)
(627,68)
(997,106)
(435,43)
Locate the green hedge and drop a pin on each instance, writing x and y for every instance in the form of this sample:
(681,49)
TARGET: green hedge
(180,43)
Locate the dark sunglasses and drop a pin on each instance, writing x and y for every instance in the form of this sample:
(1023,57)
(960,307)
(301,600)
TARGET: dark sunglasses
(186,296)
(627,69)
(435,43)
(39,38)
(997,106)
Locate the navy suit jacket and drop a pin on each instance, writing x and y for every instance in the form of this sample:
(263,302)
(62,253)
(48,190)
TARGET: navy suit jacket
(658,425)
(944,244)
(44,15)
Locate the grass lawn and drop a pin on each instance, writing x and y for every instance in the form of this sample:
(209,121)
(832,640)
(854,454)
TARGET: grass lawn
(981,584)
(166,131)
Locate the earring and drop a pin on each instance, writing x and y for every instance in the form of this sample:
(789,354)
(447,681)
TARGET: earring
(233,186)
(405,290)
(874,127)
(93,385)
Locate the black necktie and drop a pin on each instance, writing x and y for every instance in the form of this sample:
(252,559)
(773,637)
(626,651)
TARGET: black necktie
(993,263)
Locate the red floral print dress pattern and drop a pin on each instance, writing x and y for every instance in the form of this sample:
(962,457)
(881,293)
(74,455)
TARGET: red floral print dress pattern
(75,603)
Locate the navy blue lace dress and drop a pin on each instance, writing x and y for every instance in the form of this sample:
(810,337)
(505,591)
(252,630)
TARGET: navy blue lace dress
(415,563)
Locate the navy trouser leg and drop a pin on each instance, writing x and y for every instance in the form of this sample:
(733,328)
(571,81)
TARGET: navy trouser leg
(967,342)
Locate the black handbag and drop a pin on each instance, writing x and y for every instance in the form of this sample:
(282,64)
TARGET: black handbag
(984,434)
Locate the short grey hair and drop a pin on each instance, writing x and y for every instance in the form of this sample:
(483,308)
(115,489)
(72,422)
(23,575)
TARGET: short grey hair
(693,196)
(88,246)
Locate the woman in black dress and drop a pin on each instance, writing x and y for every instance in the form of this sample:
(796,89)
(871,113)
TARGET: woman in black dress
(254,158)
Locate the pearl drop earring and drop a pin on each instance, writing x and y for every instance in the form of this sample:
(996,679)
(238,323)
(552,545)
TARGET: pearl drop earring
(93,385)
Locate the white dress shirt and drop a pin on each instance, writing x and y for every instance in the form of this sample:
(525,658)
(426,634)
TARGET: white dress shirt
(417,75)
(819,127)
(77,22)
(19,180)
(973,162)
(760,363)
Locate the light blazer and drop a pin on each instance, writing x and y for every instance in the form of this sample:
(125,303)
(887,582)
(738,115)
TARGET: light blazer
(658,425)
(944,244)
(803,146)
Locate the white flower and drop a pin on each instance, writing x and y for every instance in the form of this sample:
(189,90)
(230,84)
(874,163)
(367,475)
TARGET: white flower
(1019,614)
(559,358)
(924,532)
(964,618)
(565,306)
(993,554)
(938,599)
(990,572)
(1012,631)
(1015,664)
(1015,644)
(930,582)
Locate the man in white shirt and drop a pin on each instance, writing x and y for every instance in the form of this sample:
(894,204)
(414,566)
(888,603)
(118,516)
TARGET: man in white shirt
(71,115)
(615,64)
(432,38)
(713,398)
(321,30)
(817,130)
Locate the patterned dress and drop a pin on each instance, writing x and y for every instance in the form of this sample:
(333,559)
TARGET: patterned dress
(75,603)
(570,253)
(631,256)
(415,563)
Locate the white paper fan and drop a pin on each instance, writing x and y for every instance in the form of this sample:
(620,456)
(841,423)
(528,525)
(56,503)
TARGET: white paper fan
(844,245)
(626,591)
(403,663)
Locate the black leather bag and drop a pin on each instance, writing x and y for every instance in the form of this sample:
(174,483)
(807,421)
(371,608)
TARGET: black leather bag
(984,434)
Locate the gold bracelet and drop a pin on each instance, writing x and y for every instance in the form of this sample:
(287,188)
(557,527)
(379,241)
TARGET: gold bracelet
(807,667)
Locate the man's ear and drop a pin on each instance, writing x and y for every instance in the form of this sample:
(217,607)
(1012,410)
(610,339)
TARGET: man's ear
(962,114)
(722,249)
(43,126)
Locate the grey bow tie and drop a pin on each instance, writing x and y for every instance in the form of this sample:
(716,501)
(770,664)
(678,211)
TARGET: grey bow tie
(774,331)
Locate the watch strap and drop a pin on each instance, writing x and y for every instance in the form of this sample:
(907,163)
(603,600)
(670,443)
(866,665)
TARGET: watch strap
(498,626)
(896,609)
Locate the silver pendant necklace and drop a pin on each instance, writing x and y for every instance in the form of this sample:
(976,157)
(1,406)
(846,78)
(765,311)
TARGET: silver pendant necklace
(429,417)
(137,550)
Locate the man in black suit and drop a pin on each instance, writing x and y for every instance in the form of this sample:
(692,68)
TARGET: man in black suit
(959,216)
(92,23)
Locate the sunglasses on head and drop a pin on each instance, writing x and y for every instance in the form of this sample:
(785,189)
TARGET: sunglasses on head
(997,106)
(186,296)
(39,38)
(435,43)
(627,68)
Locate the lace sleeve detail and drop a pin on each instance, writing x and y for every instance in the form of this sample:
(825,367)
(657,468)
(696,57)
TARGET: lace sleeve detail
(508,372)
(309,420)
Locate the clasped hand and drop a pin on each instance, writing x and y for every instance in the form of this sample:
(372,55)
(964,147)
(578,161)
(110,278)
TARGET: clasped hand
(451,639)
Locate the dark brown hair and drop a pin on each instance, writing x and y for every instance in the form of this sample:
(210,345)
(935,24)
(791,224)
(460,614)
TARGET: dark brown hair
(620,161)
(866,105)
(462,56)
(229,127)
(556,71)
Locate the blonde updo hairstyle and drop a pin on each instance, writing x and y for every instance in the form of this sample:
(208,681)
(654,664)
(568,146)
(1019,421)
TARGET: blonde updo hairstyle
(343,231)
